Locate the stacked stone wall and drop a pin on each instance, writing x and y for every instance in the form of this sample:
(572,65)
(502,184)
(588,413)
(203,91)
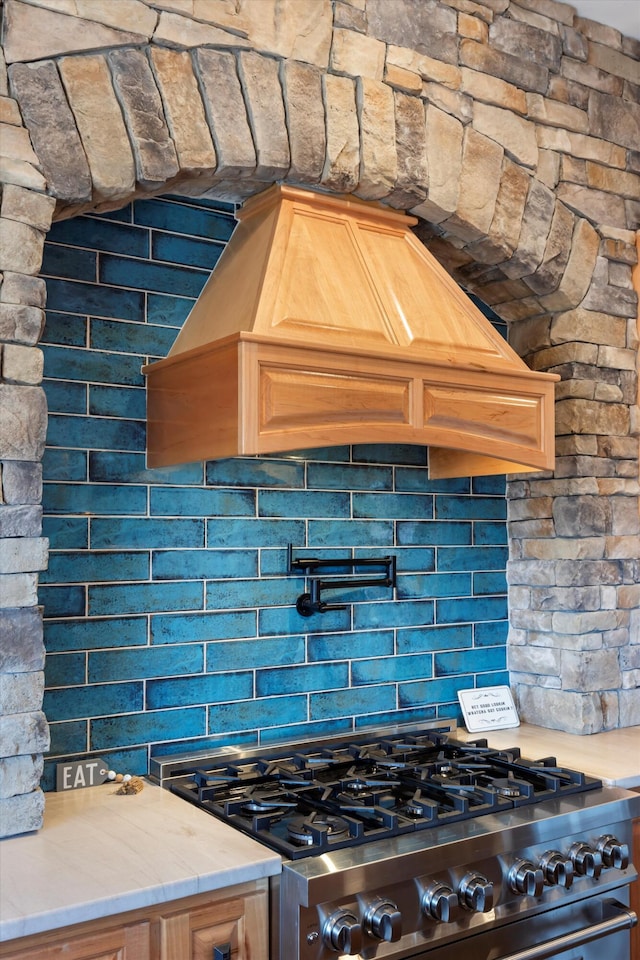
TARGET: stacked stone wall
(511,129)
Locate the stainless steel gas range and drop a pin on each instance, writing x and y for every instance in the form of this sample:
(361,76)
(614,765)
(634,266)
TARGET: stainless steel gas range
(410,844)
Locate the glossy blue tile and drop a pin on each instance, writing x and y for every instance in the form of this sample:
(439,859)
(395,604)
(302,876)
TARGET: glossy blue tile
(69,264)
(330,454)
(420,717)
(279,621)
(204,565)
(389,453)
(123,467)
(251,472)
(236,594)
(471,558)
(69,737)
(63,601)
(221,206)
(257,652)
(123,215)
(351,646)
(186,250)
(254,533)
(258,714)
(65,328)
(98,234)
(348,476)
(305,503)
(471,609)
(85,567)
(305,731)
(96,432)
(354,533)
(185,691)
(66,533)
(352,702)
(493,679)
(272,681)
(147,727)
(93,634)
(433,585)
(143,275)
(427,639)
(394,613)
(392,669)
(127,402)
(180,217)
(190,627)
(429,692)
(65,396)
(469,661)
(132,533)
(105,499)
(411,480)
(140,663)
(65,669)
(92,700)
(490,633)
(120,598)
(410,532)
(470,508)
(59,464)
(117,336)
(489,532)
(92,299)
(488,583)
(195,502)
(167,310)
(71,363)
(489,486)
(395,506)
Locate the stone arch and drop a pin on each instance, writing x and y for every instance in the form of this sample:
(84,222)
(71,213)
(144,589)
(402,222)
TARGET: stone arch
(444,117)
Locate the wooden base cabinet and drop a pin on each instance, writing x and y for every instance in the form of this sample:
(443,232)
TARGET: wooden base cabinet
(188,929)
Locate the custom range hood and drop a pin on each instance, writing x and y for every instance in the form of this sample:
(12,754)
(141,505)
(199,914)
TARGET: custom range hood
(327,322)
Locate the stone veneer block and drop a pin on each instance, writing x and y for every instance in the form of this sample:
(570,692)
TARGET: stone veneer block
(517,135)
(21,482)
(174,30)
(523,73)
(560,709)
(23,425)
(18,288)
(488,89)
(378,157)
(357,55)
(613,61)
(265,108)
(525,41)
(15,143)
(596,205)
(424,27)
(52,128)
(479,185)
(36,209)
(20,324)
(22,364)
(19,775)
(506,224)
(405,58)
(154,152)
(20,174)
(98,116)
(35,33)
(552,113)
(614,119)
(556,252)
(24,554)
(21,692)
(21,247)
(589,326)
(21,645)
(184,110)
(226,113)
(577,275)
(444,162)
(412,178)
(21,814)
(23,733)
(536,225)
(302,84)
(20,521)
(342,165)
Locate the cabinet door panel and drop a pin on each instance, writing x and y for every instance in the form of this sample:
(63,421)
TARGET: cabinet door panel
(192,935)
(126,943)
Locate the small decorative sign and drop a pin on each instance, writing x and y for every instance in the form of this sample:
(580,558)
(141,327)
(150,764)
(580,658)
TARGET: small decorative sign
(80,773)
(491,708)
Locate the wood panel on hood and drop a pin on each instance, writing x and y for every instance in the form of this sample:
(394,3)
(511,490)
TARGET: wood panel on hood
(327,322)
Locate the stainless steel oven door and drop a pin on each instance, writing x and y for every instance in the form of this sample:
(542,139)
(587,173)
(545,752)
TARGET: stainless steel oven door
(589,930)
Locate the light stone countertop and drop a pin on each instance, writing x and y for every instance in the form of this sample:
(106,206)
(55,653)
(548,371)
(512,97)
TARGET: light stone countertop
(99,854)
(613,757)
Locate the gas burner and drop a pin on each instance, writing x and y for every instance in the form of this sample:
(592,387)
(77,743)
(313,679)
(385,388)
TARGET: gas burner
(260,801)
(507,787)
(307,829)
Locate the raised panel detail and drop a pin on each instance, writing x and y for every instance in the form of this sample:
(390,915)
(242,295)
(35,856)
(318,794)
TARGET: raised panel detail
(497,416)
(295,398)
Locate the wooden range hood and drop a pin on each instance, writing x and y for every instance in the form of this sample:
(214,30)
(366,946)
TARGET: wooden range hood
(327,322)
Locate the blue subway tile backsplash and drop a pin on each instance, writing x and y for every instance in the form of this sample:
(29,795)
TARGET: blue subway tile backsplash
(170,612)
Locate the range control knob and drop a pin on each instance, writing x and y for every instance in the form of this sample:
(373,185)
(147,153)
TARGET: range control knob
(557,869)
(526,878)
(613,852)
(440,902)
(342,932)
(476,893)
(586,862)
(383,920)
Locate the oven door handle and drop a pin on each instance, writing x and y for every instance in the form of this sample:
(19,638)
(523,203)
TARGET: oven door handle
(622,918)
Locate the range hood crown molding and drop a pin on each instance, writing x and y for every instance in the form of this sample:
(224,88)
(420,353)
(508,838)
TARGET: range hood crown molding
(326,322)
